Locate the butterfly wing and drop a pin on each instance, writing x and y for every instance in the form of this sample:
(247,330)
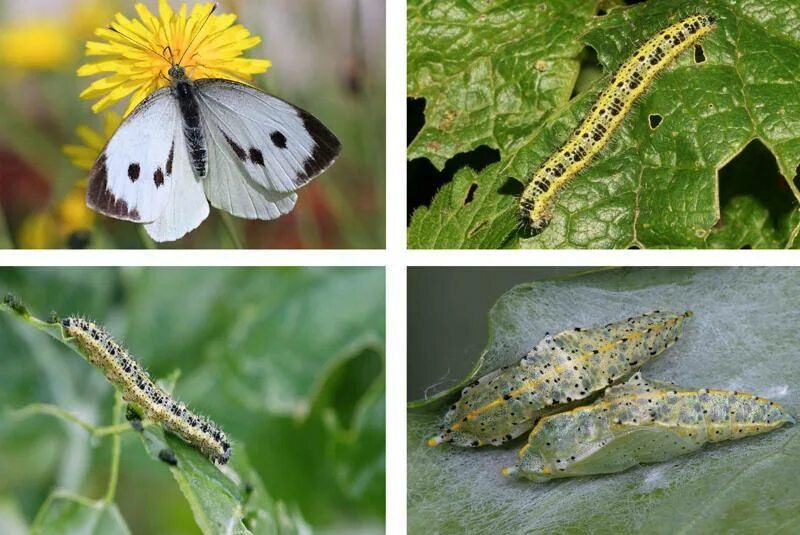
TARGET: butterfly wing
(261,149)
(130,178)
(143,174)
(185,204)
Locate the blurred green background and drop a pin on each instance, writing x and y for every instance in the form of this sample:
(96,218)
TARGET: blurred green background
(289,361)
(328,56)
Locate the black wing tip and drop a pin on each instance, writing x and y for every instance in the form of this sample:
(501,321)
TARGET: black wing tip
(100,198)
(327,148)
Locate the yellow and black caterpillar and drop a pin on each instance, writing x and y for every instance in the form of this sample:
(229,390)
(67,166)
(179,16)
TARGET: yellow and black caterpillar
(123,371)
(630,81)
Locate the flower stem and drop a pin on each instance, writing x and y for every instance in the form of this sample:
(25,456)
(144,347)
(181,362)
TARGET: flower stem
(230,228)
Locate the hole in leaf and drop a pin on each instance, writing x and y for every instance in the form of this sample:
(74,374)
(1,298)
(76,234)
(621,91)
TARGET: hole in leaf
(589,71)
(632,247)
(655,120)
(601,12)
(470,193)
(699,54)
(754,173)
(424,180)
(415,117)
(633,2)
(511,186)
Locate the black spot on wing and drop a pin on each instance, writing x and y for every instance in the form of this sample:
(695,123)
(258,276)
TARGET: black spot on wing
(99,197)
(133,171)
(158,178)
(256,157)
(278,139)
(169,159)
(326,148)
(240,153)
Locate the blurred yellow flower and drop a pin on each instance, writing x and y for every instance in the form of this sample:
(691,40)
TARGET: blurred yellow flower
(138,53)
(59,226)
(38,231)
(36,45)
(83,156)
(50,43)
(66,225)
(72,213)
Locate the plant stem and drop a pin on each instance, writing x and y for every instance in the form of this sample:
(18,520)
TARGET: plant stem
(116,446)
(230,228)
(147,241)
(52,410)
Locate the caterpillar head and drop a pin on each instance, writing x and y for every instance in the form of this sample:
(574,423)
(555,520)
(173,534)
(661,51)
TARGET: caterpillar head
(527,223)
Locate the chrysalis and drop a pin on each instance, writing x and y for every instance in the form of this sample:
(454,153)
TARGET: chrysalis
(555,375)
(641,422)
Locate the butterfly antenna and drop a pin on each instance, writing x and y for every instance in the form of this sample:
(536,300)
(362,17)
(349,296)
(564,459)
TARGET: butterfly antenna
(138,45)
(197,32)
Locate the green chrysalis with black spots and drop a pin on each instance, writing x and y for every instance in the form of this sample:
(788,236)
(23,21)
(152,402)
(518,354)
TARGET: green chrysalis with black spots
(641,422)
(558,373)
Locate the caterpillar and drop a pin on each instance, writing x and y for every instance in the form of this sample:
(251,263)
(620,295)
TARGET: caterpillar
(122,370)
(641,422)
(559,372)
(630,81)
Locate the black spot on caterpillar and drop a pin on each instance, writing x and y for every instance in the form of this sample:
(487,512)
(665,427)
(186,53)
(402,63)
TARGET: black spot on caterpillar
(122,370)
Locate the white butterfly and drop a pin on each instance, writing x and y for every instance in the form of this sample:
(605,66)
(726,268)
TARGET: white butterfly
(214,140)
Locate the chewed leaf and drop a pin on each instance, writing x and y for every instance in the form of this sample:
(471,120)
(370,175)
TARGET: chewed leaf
(558,372)
(656,183)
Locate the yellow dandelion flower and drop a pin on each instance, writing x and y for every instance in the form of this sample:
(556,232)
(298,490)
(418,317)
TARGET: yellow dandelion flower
(138,53)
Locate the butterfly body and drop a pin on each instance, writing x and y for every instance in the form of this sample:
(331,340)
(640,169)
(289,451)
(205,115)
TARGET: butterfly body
(184,92)
(208,140)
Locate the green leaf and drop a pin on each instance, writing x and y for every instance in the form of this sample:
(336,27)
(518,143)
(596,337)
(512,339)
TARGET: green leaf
(227,500)
(291,358)
(501,74)
(746,224)
(465,213)
(742,337)
(64,513)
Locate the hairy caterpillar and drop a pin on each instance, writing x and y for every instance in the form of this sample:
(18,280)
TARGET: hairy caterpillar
(630,81)
(641,422)
(122,369)
(556,374)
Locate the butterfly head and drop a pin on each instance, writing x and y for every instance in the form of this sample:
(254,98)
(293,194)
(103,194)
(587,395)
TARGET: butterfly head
(177,73)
